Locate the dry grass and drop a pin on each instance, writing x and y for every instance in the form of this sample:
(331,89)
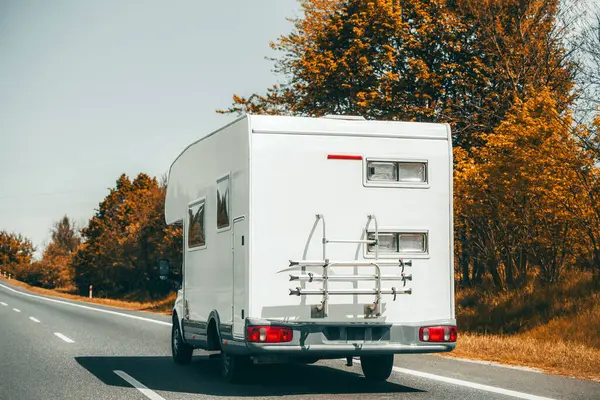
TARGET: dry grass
(550,328)
(526,308)
(547,354)
(161,307)
(582,328)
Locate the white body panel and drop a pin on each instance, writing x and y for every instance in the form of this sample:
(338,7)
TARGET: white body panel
(208,283)
(280,178)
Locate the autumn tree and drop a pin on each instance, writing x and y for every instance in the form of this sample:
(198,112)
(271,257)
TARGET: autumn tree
(585,204)
(65,236)
(588,47)
(498,71)
(585,43)
(462,62)
(57,257)
(125,239)
(515,193)
(16,257)
(15,250)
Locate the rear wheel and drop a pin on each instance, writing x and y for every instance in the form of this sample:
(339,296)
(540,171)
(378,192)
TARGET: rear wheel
(234,368)
(377,368)
(182,352)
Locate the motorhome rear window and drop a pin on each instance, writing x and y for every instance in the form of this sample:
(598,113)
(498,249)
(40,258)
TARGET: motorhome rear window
(196,231)
(400,173)
(223,202)
(400,242)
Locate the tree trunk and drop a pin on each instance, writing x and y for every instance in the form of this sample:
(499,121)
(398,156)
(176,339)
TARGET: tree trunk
(464,265)
(493,268)
(477,271)
(508,265)
(596,266)
(464,260)
(522,264)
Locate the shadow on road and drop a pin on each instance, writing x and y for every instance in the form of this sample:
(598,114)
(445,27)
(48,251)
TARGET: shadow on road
(202,377)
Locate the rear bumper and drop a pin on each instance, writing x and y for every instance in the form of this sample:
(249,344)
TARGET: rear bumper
(344,340)
(345,350)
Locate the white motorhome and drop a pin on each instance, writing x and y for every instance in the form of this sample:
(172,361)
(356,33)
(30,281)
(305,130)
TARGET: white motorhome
(314,238)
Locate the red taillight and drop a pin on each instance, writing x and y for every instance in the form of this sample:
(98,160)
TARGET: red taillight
(343,157)
(269,334)
(437,334)
(253,334)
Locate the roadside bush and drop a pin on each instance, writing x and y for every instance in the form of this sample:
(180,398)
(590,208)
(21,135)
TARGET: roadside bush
(38,274)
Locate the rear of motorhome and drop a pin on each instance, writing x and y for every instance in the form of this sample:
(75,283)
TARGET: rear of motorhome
(314,238)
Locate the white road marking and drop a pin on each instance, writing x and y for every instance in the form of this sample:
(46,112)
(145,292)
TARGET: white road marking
(139,386)
(459,382)
(63,337)
(34,319)
(88,307)
(16,310)
(495,364)
(3,303)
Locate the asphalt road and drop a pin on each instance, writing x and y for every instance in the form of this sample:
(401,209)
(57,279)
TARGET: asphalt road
(58,349)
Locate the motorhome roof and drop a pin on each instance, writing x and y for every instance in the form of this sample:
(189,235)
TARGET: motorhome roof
(334,125)
(347,126)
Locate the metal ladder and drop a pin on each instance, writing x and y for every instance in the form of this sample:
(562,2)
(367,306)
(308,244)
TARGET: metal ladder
(371,310)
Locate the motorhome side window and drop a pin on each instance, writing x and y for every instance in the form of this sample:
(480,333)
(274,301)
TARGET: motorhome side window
(223,202)
(196,231)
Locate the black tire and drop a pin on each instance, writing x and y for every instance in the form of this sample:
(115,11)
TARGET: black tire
(377,368)
(234,368)
(182,352)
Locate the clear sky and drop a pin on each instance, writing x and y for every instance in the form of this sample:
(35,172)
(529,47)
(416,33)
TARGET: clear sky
(93,89)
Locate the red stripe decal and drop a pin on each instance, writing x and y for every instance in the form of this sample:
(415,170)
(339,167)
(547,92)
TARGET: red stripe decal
(343,157)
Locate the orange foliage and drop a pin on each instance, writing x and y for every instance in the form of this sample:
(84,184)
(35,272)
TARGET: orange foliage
(515,196)
(459,62)
(124,241)
(15,250)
